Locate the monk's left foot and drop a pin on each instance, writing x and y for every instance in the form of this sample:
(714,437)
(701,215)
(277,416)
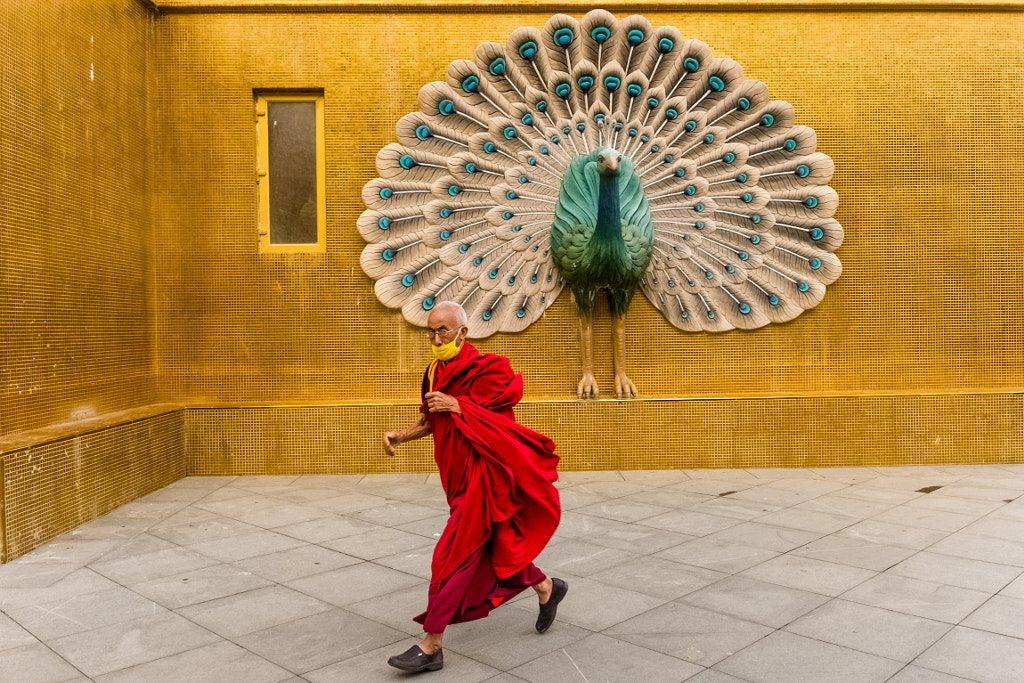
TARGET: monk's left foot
(414,659)
(547,611)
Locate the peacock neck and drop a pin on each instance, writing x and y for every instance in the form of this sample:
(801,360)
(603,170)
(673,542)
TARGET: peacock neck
(609,223)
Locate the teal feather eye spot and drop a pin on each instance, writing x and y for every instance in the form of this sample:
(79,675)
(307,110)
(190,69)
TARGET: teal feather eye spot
(470,168)
(744,309)
(730,269)
(511,280)
(671,114)
(691,64)
(652,102)
(686,238)
(755,219)
(422,132)
(566,130)
(817,234)
(509,132)
(445,235)
(532,161)
(445,212)
(543,299)
(477,261)
(729,157)
(516,228)
(803,170)
(497,67)
(453,190)
(528,50)
(716,84)
(493,274)
(599,118)
(388,255)
(790,145)
(743,255)
(635,37)
(690,126)
(471,83)
(564,37)
(747,197)
(527,239)
(618,125)
(563,90)
(634,89)
(690,189)
(542,105)
(773,300)
(600,34)
(684,315)
(655,148)
(463,248)
(527,119)
(743,104)
(408,280)
(486,315)
(699,225)
(709,138)
(523,180)
(811,202)
(383,222)
(406,162)
(507,215)
(709,275)
(445,107)
(644,138)
(755,239)
(428,304)
(767,120)
(698,207)
(489,147)
(511,195)
(612,83)
(711,315)
(585,82)
(385,193)
(741,178)
(544,150)
(665,45)
(668,158)
(680,172)
(671,283)
(581,126)
(533,280)
(520,313)
(803,286)
(555,139)
(633,132)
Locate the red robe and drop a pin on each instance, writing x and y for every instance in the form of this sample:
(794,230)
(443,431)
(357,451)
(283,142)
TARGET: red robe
(498,476)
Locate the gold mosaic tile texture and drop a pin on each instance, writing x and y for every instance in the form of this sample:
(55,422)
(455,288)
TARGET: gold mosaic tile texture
(50,489)
(76,316)
(921,111)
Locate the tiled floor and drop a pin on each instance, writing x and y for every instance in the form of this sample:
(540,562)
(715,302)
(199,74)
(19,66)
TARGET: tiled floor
(707,576)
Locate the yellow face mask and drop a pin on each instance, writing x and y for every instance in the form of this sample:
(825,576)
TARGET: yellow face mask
(446,351)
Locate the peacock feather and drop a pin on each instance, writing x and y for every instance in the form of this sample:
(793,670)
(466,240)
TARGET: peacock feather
(494,195)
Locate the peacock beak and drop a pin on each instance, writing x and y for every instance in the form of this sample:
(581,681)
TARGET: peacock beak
(612,163)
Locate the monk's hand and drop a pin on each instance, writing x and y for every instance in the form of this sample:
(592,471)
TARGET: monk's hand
(391,442)
(438,402)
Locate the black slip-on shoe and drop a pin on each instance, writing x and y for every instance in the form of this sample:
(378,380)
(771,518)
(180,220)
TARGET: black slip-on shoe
(547,611)
(416,660)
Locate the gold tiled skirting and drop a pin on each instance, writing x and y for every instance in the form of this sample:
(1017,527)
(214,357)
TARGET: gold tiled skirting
(748,432)
(53,488)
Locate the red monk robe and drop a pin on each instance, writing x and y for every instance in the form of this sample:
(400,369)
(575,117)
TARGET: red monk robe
(498,476)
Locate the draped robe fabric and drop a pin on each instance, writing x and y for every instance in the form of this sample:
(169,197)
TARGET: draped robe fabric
(499,479)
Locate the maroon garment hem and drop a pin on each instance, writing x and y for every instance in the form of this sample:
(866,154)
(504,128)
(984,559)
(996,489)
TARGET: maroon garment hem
(472,591)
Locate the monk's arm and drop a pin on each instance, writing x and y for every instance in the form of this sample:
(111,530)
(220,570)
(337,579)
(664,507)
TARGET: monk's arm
(394,439)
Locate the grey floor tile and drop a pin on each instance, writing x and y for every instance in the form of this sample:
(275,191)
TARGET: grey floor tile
(667,497)
(353,584)
(580,558)
(319,640)
(83,613)
(612,489)
(1014,589)
(869,629)
(893,534)
(154,565)
(714,486)
(986,549)
(296,563)
(926,518)
(854,552)
(805,573)
(132,642)
(807,520)
(197,586)
(716,555)
(957,571)
(254,610)
(79,582)
(394,513)
(838,504)
(373,666)
(1000,614)
(658,578)
(214,527)
(727,506)
(600,658)
(575,525)
(977,656)
(654,477)
(325,528)
(587,476)
(920,598)
(766,536)
(507,638)
(20,573)
(416,561)
(918,674)
(597,606)
(572,498)
(429,527)
(244,546)
(996,527)
(221,661)
(142,544)
(789,658)
(264,512)
(691,633)
(690,522)
(636,539)
(349,502)
(12,634)
(380,542)
(756,601)
(396,608)
(36,663)
(623,510)
(712,676)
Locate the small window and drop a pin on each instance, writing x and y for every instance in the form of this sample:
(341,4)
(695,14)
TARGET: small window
(290,173)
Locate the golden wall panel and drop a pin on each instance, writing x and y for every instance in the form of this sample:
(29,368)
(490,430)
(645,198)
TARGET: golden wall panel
(52,488)
(921,111)
(76,257)
(602,435)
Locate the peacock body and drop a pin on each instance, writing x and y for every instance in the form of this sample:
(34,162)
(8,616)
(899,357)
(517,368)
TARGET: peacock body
(600,153)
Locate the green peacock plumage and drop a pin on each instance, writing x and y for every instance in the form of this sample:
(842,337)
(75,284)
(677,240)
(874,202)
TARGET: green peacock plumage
(492,196)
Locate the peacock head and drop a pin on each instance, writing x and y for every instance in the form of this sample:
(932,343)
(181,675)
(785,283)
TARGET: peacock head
(607,161)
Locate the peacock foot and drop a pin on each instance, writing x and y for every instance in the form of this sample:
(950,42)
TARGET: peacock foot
(588,387)
(624,387)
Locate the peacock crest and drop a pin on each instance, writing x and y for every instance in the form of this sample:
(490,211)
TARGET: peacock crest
(502,187)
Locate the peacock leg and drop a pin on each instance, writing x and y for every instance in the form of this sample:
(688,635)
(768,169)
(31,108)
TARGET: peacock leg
(588,385)
(624,387)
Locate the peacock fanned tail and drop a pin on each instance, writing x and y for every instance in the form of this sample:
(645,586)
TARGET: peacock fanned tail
(733,189)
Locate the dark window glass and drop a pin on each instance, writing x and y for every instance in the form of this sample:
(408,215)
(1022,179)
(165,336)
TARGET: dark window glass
(291,142)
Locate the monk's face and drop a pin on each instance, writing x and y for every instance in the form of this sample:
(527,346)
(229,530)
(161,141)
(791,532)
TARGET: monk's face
(442,327)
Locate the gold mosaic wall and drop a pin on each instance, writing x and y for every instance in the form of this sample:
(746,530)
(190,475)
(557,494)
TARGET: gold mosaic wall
(922,112)
(76,242)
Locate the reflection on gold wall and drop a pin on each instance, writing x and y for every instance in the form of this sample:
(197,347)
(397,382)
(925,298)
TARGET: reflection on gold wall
(76,316)
(921,111)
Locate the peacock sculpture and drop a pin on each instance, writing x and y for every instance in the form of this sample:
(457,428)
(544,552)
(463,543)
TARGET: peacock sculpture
(601,154)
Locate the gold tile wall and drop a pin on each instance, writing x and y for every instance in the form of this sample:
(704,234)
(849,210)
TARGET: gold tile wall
(51,489)
(76,242)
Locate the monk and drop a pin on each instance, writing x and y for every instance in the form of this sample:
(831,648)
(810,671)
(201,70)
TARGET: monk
(498,477)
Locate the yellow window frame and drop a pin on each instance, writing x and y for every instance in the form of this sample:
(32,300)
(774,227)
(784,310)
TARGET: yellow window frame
(263,178)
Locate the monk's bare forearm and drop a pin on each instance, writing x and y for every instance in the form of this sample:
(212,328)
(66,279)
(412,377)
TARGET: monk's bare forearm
(413,432)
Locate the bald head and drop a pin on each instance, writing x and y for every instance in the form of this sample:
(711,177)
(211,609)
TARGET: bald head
(447,317)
